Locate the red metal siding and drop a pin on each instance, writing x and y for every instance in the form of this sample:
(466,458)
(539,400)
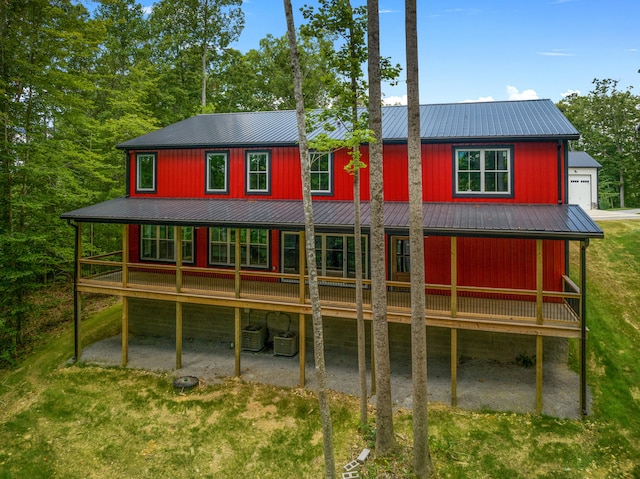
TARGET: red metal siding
(181,173)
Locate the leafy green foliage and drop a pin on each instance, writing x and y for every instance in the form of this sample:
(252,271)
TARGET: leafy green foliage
(607,119)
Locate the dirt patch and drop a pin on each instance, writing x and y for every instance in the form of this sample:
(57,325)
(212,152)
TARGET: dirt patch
(482,384)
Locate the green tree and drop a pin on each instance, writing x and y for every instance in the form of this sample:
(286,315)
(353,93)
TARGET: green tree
(191,37)
(46,57)
(314,291)
(422,463)
(607,120)
(343,29)
(384,425)
(261,78)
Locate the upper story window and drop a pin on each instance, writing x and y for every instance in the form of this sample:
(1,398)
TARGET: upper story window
(320,166)
(217,172)
(158,243)
(254,247)
(258,167)
(483,171)
(146,166)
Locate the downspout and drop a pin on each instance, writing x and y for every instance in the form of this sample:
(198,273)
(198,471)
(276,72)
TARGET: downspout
(76,316)
(583,332)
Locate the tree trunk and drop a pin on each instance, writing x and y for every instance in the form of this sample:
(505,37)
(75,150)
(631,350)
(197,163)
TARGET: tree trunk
(384,413)
(422,464)
(362,355)
(318,339)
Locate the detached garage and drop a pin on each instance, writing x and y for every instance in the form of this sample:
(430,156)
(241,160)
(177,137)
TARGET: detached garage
(583,180)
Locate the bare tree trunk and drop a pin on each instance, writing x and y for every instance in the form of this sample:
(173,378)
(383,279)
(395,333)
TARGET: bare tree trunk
(362,355)
(384,414)
(422,464)
(621,188)
(204,77)
(318,339)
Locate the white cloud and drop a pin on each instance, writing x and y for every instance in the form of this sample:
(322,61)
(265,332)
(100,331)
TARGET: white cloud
(570,92)
(395,100)
(556,53)
(515,94)
(480,99)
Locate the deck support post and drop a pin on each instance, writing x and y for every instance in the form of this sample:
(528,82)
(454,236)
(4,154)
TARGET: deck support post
(125,299)
(125,331)
(373,364)
(237,340)
(301,319)
(454,367)
(178,335)
(454,276)
(583,323)
(77,297)
(237,313)
(539,339)
(178,255)
(301,347)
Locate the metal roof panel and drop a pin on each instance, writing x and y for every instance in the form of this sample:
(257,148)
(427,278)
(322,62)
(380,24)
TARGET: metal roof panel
(449,219)
(444,122)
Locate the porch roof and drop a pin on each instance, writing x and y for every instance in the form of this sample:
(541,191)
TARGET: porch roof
(540,221)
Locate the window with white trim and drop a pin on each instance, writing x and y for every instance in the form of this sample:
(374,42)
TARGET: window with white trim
(335,254)
(158,243)
(254,247)
(146,172)
(258,166)
(483,171)
(320,170)
(217,172)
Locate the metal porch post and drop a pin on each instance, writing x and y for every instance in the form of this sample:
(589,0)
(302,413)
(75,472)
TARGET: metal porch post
(237,312)
(302,254)
(77,297)
(583,332)
(125,299)
(454,313)
(539,298)
(178,250)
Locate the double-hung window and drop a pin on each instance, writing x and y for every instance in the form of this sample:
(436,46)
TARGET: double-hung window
(320,168)
(158,243)
(146,166)
(217,172)
(258,166)
(254,247)
(483,171)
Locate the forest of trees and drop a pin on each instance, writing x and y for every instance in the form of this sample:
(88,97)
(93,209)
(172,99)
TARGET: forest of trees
(74,83)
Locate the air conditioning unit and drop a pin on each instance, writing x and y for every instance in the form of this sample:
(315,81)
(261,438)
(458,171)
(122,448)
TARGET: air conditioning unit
(253,338)
(285,344)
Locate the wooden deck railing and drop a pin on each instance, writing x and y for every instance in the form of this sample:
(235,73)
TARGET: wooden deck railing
(443,301)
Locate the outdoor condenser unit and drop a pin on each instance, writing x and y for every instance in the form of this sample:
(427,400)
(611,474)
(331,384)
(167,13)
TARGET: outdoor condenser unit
(253,337)
(285,344)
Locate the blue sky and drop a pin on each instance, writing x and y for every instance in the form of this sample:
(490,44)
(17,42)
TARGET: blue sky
(474,50)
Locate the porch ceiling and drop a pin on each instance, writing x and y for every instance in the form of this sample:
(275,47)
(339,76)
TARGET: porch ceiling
(444,219)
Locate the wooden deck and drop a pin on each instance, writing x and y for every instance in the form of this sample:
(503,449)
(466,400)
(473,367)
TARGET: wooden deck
(530,312)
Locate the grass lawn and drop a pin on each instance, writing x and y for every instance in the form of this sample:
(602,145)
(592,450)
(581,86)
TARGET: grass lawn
(60,420)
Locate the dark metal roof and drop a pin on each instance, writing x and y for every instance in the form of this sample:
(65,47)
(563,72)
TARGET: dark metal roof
(582,159)
(447,219)
(508,120)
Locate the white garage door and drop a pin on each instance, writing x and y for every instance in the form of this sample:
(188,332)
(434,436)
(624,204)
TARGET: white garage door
(580,191)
